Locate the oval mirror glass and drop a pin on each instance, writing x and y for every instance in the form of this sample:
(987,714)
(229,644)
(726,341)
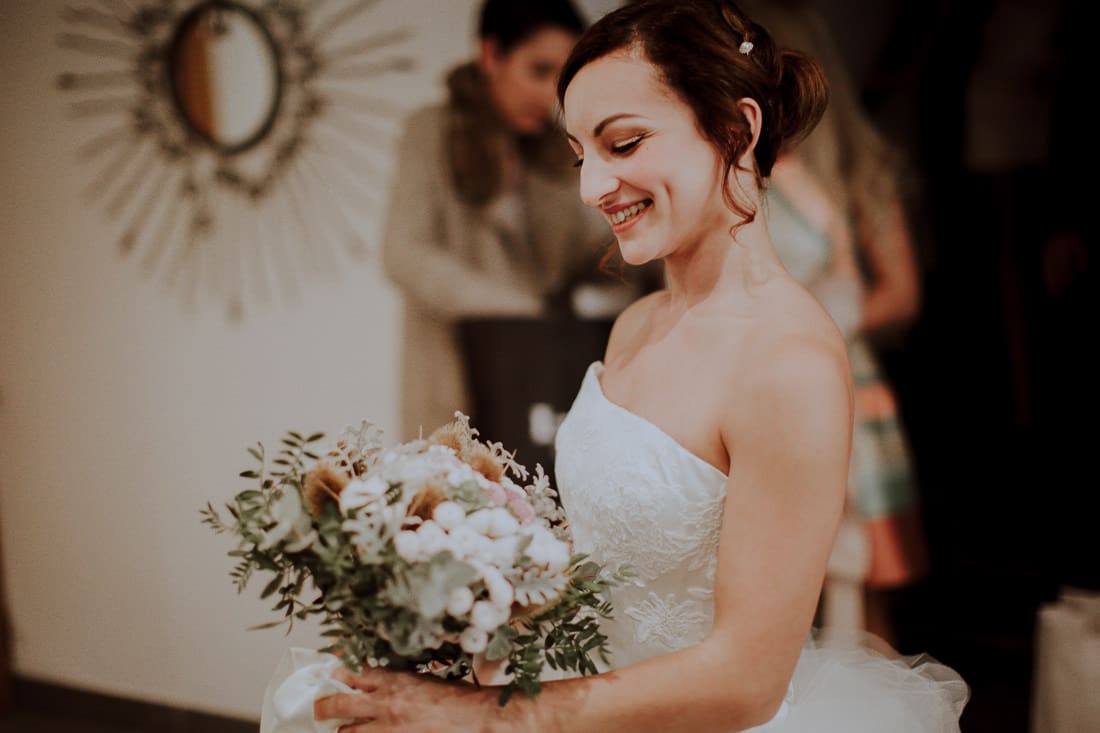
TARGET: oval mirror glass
(224,71)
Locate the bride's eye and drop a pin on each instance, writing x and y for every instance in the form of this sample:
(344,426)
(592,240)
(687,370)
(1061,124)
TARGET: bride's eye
(578,162)
(625,146)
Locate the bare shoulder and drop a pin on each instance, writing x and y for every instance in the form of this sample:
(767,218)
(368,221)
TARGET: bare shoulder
(631,325)
(792,365)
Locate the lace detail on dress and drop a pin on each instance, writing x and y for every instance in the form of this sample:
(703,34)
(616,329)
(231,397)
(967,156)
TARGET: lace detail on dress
(633,531)
(665,621)
(705,553)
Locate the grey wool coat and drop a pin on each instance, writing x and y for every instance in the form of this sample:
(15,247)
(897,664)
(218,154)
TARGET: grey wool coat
(452,263)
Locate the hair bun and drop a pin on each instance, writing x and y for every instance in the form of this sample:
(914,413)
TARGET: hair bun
(803,97)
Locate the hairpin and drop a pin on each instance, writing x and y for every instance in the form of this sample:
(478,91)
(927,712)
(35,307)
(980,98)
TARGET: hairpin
(746,46)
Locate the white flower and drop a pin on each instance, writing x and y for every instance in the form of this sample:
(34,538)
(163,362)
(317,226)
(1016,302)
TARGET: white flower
(474,640)
(290,520)
(503,554)
(449,515)
(432,538)
(460,474)
(359,493)
(500,590)
(558,556)
(539,550)
(480,521)
(444,452)
(464,542)
(502,523)
(460,601)
(546,550)
(407,545)
(487,615)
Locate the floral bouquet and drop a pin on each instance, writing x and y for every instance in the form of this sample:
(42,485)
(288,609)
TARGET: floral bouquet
(421,556)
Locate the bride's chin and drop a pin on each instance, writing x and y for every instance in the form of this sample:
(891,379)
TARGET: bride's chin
(635,255)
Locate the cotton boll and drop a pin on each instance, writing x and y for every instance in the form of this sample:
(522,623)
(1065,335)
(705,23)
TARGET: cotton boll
(546,550)
(537,552)
(558,556)
(500,590)
(474,640)
(480,521)
(464,542)
(407,545)
(460,601)
(541,548)
(485,548)
(502,523)
(448,515)
(432,538)
(487,615)
(504,551)
(460,474)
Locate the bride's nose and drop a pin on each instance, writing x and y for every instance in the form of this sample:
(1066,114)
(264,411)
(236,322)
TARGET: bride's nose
(598,181)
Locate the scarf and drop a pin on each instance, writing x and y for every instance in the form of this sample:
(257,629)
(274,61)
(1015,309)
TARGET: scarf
(475,135)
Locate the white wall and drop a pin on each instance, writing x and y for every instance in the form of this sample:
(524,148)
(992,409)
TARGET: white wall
(122,411)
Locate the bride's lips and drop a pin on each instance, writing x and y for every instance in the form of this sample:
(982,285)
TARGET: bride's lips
(624,216)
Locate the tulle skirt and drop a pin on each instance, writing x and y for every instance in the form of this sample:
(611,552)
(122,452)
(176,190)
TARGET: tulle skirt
(845,687)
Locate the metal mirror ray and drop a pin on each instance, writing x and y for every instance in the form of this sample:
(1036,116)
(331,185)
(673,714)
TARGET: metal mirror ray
(239,145)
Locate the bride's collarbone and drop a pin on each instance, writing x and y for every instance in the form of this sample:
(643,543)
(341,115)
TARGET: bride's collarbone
(678,399)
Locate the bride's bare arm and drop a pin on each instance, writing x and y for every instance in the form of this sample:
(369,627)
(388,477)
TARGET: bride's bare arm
(787,432)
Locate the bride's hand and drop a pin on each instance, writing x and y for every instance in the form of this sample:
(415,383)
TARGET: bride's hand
(403,701)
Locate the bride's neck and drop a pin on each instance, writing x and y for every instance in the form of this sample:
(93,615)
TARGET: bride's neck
(722,261)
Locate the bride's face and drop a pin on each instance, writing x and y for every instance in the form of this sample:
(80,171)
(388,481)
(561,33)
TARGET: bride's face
(644,162)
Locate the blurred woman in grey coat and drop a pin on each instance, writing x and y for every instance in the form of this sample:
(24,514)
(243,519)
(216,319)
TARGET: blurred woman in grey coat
(485,219)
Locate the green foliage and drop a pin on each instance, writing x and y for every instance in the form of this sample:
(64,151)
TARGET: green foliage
(469,496)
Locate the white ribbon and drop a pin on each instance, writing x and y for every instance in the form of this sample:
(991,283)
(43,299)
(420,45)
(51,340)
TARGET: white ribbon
(302,677)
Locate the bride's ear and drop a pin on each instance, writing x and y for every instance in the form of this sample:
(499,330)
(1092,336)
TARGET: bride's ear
(755,117)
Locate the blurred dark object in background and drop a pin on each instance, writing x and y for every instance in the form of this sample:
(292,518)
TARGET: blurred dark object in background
(523,375)
(998,380)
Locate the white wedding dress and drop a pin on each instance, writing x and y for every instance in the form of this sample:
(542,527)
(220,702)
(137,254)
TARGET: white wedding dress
(635,496)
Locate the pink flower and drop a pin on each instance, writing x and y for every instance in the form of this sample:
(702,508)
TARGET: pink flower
(524,512)
(496,494)
(519,504)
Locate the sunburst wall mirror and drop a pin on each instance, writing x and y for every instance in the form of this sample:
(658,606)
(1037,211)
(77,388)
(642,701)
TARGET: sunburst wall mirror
(237,144)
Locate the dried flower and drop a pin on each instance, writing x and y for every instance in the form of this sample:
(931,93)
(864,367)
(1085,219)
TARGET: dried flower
(427,499)
(322,485)
(451,435)
(485,462)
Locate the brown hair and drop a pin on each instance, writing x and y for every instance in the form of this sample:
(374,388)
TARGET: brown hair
(695,46)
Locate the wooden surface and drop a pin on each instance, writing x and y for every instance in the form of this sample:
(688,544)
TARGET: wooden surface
(45,708)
